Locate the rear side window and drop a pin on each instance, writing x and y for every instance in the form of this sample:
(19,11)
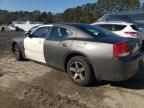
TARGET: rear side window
(106,26)
(59,33)
(134,27)
(119,27)
(112,27)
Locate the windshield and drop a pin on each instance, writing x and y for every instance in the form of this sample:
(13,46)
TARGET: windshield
(118,17)
(33,28)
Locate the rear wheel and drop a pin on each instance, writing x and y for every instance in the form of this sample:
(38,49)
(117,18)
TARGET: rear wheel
(80,70)
(17,53)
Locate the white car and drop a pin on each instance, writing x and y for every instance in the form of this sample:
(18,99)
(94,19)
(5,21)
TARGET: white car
(11,28)
(123,29)
(26,25)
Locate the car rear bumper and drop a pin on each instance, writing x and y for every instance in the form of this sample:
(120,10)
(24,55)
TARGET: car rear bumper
(117,69)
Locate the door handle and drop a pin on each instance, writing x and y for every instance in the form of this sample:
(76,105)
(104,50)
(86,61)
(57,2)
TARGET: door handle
(65,44)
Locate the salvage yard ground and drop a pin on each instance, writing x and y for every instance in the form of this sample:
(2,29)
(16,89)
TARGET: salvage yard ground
(31,85)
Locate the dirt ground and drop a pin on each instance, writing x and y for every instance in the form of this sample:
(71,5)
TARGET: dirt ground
(31,85)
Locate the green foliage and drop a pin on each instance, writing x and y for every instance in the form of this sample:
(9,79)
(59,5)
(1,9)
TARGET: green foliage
(118,5)
(84,14)
(7,17)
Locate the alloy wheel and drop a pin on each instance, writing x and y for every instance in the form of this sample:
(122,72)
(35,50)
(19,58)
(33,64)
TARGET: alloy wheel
(77,71)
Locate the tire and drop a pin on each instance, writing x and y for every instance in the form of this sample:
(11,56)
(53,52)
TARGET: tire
(80,71)
(17,53)
(3,29)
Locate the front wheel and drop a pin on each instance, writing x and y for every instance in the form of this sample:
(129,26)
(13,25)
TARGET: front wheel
(80,70)
(17,53)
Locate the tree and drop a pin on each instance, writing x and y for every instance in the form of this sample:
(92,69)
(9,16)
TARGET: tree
(87,13)
(49,18)
(118,5)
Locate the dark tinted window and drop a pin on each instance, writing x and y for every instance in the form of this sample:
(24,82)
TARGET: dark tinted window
(59,33)
(137,16)
(139,25)
(106,26)
(95,31)
(118,17)
(41,32)
(112,27)
(119,27)
(109,17)
(128,16)
(134,27)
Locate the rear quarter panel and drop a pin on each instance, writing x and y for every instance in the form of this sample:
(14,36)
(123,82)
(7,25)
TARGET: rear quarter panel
(98,54)
(94,50)
(20,42)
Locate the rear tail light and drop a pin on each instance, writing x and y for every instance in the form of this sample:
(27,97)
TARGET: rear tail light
(132,33)
(121,49)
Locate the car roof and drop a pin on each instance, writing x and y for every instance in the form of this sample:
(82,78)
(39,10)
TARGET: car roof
(113,22)
(46,25)
(64,24)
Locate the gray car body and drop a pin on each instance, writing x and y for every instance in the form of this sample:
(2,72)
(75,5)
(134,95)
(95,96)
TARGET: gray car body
(99,53)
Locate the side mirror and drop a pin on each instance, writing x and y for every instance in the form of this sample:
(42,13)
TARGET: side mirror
(27,34)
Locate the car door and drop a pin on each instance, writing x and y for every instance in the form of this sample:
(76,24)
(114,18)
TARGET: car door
(57,46)
(34,44)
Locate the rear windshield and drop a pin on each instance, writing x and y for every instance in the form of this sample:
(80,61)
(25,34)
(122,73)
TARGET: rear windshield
(95,30)
(134,27)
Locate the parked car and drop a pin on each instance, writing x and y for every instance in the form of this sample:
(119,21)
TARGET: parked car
(123,29)
(2,28)
(129,16)
(11,28)
(136,18)
(85,52)
(26,25)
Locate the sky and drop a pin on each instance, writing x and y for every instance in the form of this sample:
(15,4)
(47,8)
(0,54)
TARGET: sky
(55,6)
(42,5)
